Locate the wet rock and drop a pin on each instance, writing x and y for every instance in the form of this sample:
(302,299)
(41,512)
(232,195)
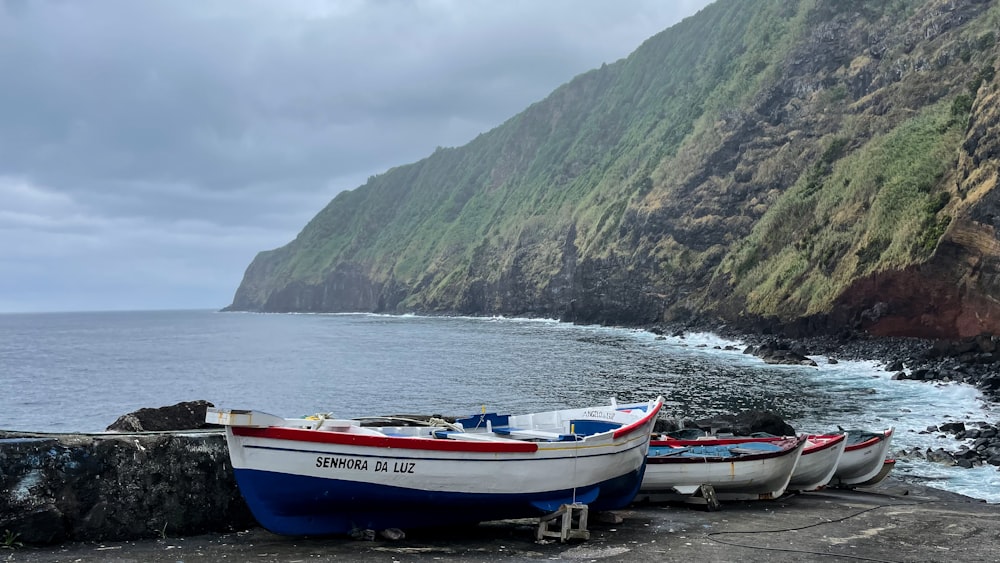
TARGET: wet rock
(188,415)
(745,424)
(952,427)
(392,534)
(941,456)
(778,352)
(606,517)
(980,445)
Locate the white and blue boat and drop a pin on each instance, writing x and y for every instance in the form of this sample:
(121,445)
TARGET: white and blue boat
(321,476)
(736,470)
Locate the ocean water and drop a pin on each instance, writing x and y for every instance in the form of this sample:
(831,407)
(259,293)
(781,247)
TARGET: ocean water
(77,372)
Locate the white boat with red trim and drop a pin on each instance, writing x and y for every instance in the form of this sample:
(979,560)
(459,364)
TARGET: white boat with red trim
(818,463)
(863,459)
(741,470)
(319,476)
(814,468)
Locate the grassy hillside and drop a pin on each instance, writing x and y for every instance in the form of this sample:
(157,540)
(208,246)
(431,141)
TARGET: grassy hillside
(755,159)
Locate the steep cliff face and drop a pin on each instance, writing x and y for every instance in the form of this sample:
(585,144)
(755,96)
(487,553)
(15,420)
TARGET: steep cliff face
(819,163)
(955,292)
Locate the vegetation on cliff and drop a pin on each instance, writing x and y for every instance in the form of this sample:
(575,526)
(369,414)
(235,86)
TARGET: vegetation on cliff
(761,159)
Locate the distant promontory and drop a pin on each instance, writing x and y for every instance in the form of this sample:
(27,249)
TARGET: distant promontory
(810,165)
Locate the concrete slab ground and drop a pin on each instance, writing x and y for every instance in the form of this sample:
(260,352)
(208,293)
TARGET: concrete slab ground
(893,522)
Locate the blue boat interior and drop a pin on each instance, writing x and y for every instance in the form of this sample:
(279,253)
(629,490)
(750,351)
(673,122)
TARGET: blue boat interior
(479,420)
(721,450)
(500,425)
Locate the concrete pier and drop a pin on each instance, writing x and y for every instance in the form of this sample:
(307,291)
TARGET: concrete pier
(116,486)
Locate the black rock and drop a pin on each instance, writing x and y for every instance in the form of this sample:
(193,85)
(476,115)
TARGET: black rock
(189,415)
(952,427)
(746,423)
(941,456)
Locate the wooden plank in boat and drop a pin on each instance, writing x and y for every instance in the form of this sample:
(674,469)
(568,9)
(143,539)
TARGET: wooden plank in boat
(475,437)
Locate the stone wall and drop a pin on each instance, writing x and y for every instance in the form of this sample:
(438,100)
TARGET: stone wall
(75,487)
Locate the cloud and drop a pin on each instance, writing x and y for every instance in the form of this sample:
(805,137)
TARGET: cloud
(183,137)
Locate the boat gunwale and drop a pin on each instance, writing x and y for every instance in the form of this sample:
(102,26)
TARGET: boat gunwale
(429,443)
(792,443)
(651,413)
(383,442)
(885,434)
(829,441)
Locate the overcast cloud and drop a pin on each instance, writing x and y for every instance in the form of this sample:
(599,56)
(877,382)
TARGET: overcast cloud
(148,150)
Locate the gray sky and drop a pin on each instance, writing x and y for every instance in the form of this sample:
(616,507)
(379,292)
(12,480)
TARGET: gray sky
(148,150)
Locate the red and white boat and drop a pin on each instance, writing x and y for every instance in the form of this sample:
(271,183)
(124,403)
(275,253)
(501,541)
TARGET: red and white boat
(735,469)
(319,476)
(864,458)
(818,463)
(814,469)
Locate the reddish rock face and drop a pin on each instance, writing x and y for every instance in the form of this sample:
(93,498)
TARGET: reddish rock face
(956,293)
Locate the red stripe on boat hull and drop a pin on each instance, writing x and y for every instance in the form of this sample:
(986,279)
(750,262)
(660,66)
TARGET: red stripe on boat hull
(431,444)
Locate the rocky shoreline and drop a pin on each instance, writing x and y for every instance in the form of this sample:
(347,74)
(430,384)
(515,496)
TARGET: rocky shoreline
(973,361)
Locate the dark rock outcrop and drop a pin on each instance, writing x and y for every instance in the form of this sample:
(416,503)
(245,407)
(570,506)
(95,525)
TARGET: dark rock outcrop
(188,415)
(745,423)
(775,352)
(980,445)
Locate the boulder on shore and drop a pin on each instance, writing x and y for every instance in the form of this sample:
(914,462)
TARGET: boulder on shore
(187,415)
(745,423)
(777,352)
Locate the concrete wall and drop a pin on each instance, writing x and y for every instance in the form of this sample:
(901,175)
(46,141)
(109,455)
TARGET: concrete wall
(62,487)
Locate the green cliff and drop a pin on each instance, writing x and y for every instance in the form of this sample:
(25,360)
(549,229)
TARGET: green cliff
(817,164)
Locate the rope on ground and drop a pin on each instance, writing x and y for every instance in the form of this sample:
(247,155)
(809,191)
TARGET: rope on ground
(711,535)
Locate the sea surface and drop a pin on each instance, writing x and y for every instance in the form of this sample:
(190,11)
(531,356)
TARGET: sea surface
(78,372)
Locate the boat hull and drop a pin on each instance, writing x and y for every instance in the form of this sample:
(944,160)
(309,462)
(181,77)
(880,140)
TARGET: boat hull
(887,466)
(862,462)
(305,506)
(305,482)
(818,463)
(757,477)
